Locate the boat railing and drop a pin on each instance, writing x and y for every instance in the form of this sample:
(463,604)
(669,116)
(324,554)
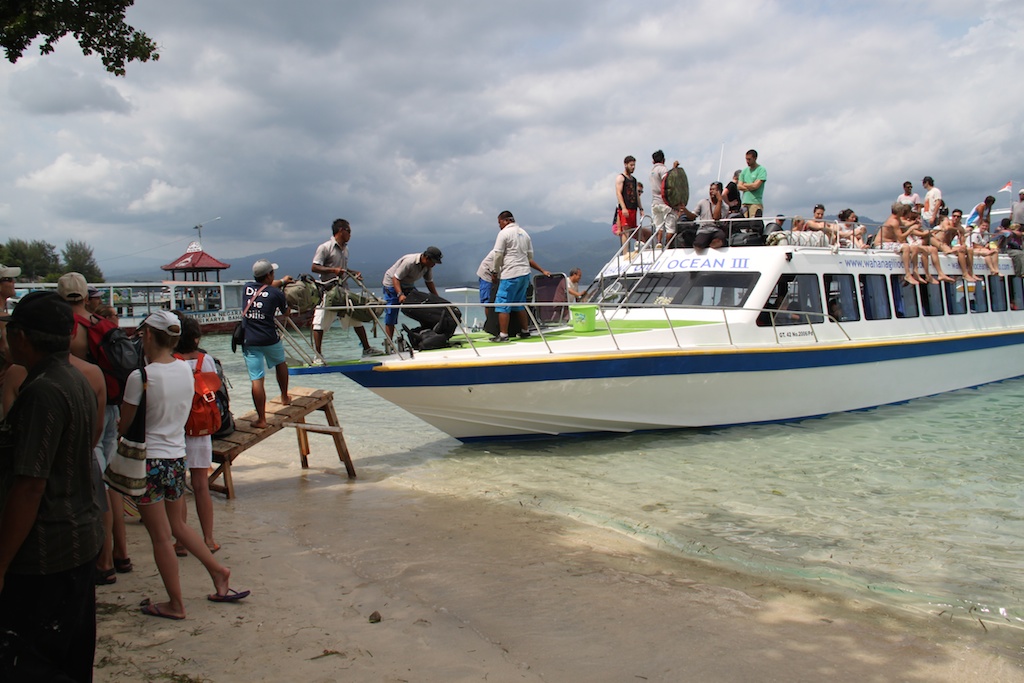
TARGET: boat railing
(802,320)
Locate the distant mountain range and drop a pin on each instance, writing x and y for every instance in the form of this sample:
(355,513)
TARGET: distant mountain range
(582,244)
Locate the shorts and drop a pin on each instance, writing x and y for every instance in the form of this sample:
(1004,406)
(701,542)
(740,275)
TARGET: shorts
(750,210)
(108,440)
(256,357)
(512,291)
(664,218)
(914,240)
(324,318)
(198,452)
(895,247)
(486,289)
(627,218)
(165,480)
(391,297)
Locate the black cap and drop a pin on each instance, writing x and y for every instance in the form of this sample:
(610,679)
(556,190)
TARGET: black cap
(433,253)
(43,312)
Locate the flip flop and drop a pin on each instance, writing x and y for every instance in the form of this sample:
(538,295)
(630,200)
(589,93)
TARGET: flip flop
(105,578)
(214,548)
(154,611)
(123,565)
(180,551)
(231,596)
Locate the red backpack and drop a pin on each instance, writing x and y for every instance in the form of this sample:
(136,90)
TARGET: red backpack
(204,419)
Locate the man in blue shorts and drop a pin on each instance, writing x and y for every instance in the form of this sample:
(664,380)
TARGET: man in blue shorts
(513,259)
(400,279)
(262,348)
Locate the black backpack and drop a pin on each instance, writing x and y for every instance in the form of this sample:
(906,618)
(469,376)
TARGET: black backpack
(227,420)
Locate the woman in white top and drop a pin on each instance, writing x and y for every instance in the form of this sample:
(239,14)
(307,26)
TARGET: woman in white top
(169,388)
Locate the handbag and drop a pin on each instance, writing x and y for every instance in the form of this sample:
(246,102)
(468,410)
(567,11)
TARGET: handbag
(238,334)
(126,471)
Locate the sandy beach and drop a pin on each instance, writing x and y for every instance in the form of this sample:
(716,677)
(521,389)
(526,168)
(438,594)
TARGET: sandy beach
(475,590)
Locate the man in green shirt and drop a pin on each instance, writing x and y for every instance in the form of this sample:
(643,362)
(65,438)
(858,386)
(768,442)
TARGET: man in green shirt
(751,186)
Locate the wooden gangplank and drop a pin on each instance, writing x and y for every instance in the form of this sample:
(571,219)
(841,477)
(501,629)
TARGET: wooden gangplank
(279,416)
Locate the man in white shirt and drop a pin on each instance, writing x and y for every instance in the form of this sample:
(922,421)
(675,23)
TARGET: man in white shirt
(513,259)
(932,202)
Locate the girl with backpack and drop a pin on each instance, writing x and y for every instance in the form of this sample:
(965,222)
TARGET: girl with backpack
(167,389)
(198,448)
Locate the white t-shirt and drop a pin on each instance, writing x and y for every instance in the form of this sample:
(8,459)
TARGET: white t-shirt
(931,203)
(168,403)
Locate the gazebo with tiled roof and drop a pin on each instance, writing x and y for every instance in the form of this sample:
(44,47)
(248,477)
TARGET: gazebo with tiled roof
(195,264)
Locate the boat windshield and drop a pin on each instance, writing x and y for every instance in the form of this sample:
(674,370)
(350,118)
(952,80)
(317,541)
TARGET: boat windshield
(729,290)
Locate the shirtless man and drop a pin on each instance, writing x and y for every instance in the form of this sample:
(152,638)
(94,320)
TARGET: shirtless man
(893,237)
(948,230)
(920,237)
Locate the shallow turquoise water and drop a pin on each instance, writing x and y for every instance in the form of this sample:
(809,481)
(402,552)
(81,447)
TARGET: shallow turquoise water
(918,504)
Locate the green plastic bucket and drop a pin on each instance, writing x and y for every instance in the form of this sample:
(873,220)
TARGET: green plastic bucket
(584,318)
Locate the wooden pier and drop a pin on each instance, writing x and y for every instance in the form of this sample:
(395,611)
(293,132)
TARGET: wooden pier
(279,416)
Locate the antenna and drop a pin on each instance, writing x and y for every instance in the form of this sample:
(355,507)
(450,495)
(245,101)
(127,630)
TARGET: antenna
(199,228)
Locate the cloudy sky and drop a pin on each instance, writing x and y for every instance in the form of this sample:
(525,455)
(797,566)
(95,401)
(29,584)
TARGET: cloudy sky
(423,120)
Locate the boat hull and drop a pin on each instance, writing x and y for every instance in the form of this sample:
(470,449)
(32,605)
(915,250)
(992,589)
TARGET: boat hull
(659,390)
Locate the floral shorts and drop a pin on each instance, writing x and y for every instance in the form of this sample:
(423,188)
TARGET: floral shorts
(165,480)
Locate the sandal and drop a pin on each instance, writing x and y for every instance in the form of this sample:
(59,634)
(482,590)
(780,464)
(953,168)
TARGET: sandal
(180,551)
(105,578)
(123,565)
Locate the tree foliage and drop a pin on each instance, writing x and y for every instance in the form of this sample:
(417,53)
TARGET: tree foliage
(78,257)
(37,258)
(98,26)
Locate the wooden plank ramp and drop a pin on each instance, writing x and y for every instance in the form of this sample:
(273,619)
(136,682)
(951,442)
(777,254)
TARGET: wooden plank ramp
(279,416)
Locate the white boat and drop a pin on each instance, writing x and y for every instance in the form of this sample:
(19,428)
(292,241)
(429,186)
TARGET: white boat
(719,337)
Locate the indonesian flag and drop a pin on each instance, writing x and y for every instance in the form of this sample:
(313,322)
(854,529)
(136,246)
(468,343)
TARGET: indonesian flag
(1008,187)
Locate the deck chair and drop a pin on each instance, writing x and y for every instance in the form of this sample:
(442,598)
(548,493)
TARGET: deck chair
(551,289)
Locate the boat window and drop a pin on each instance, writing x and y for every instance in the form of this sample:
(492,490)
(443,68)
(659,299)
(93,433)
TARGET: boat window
(997,292)
(694,289)
(791,300)
(904,297)
(931,299)
(978,297)
(841,293)
(1016,293)
(956,300)
(875,296)
(613,290)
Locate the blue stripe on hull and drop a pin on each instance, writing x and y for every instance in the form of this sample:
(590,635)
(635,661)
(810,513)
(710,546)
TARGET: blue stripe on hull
(683,363)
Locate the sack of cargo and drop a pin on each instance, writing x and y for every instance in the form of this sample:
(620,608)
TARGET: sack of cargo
(302,295)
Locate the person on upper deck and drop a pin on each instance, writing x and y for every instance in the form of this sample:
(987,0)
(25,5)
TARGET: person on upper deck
(662,215)
(920,238)
(628,209)
(950,238)
(984,244)
(892,236)
(932,201)
(1011,243)
(849,231)
(909,197)
(981,212)
(751,185)
(400,279)
(1017,211)
(513,259)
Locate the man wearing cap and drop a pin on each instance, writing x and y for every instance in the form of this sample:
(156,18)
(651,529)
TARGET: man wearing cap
(261,347)
(50,528)
(93,300)
(331,261)
(73,288)
(1017,211)
(400,279)
(513,259)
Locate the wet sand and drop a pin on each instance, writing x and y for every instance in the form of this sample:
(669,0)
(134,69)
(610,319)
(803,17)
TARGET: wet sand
(473,590)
